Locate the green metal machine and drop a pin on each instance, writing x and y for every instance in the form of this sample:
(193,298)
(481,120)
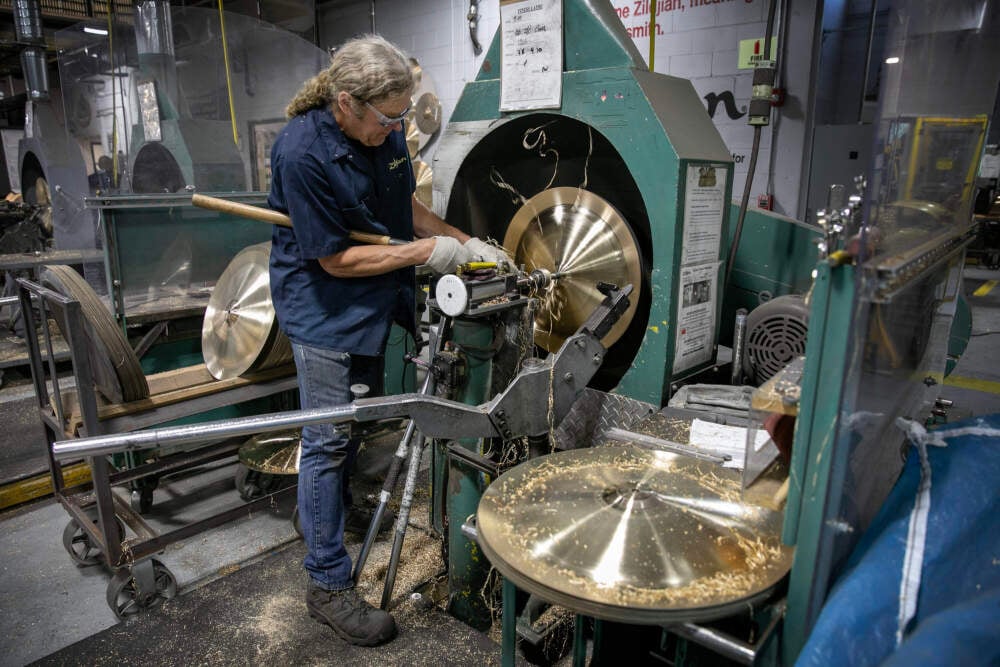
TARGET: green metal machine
(879,313)
(643,143)
(639,140)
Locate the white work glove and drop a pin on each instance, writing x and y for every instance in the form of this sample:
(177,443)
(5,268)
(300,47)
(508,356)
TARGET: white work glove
(482,251)
(448,253)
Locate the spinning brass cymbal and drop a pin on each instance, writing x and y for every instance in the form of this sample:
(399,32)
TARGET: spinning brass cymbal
(240,330)
(632,535)
(273,453)
(581,236)
(422,172)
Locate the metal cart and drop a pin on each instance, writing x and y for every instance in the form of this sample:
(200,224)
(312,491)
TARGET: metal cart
(96,533)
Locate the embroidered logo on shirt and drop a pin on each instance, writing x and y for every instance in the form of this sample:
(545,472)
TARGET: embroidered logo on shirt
(395,163)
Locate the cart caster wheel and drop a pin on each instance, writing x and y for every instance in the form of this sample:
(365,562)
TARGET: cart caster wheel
(78,544)
(297,522)
(124,598)
(253,484)
(142,500)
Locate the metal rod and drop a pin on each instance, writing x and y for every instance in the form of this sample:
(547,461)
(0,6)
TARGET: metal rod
(416,451)
(508,624)
(404,517)
(739,336)
(391,478)
(649,441)
(198,433)
(868,60)
(722,644)
(402,452)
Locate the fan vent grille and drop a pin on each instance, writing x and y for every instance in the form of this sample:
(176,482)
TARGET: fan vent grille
(776,334)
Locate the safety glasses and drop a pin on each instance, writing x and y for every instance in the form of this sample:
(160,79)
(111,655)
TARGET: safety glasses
(386,121)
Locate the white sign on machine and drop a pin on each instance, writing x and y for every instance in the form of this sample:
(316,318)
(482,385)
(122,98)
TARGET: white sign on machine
(531,54)
(704,208)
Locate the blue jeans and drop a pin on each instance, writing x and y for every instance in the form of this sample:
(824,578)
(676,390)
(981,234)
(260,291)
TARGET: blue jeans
(325,378)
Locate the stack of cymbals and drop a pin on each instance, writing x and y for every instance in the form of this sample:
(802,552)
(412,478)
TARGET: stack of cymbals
(424,119)
(117,373)
(240,330)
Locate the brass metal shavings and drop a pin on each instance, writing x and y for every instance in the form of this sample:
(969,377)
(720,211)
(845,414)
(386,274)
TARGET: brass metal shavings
(675,429)
(273,453)
(240,329)
(632,535)
(582,237)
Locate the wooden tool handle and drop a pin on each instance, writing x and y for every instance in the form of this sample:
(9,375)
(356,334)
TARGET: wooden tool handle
(373,239)
(275,218)
(244,210)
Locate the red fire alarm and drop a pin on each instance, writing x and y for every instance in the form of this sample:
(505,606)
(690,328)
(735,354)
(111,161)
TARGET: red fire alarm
(765,202)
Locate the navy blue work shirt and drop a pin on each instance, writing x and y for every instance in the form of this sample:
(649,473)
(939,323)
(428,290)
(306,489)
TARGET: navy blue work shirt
(331,185)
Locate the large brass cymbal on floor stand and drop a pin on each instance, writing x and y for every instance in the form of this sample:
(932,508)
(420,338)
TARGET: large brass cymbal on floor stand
(632,535)
(581,237)
(240,329)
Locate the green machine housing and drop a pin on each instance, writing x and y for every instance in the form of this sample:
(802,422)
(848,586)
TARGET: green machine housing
(633,137)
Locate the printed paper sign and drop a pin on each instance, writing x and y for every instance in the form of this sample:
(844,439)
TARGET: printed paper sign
(531,54)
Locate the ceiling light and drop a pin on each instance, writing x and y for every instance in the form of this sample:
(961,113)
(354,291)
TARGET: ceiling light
(95,31)
(892,60)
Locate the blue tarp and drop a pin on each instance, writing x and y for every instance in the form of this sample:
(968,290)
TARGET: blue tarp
(958,610)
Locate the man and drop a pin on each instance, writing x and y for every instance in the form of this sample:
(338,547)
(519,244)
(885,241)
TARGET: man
(341,165)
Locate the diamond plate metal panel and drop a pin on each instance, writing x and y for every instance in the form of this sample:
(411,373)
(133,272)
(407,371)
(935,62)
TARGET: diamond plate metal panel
(593,414)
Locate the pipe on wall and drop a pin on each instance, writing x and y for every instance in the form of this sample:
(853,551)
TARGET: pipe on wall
(28,28)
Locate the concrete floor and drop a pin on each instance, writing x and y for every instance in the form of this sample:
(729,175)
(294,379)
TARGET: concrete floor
(48,603)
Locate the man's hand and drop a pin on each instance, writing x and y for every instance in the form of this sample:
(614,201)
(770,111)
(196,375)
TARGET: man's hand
(485,252)
(448,253)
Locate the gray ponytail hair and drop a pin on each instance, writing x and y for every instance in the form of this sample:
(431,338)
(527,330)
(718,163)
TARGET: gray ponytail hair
(370,68)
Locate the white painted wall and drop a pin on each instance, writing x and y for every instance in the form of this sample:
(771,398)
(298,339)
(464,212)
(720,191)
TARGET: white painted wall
(695,42)
(436,33)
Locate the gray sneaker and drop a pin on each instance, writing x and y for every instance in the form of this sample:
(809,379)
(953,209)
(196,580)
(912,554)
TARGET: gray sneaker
(350,616)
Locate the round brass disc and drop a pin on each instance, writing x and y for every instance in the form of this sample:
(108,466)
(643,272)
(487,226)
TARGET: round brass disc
(581,235)
(239,323)
(117,372)
(632,535)
(424,118)
(422,172)
(273,453)
(427,113)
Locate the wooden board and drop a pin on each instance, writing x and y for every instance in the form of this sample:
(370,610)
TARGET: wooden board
(168,388)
